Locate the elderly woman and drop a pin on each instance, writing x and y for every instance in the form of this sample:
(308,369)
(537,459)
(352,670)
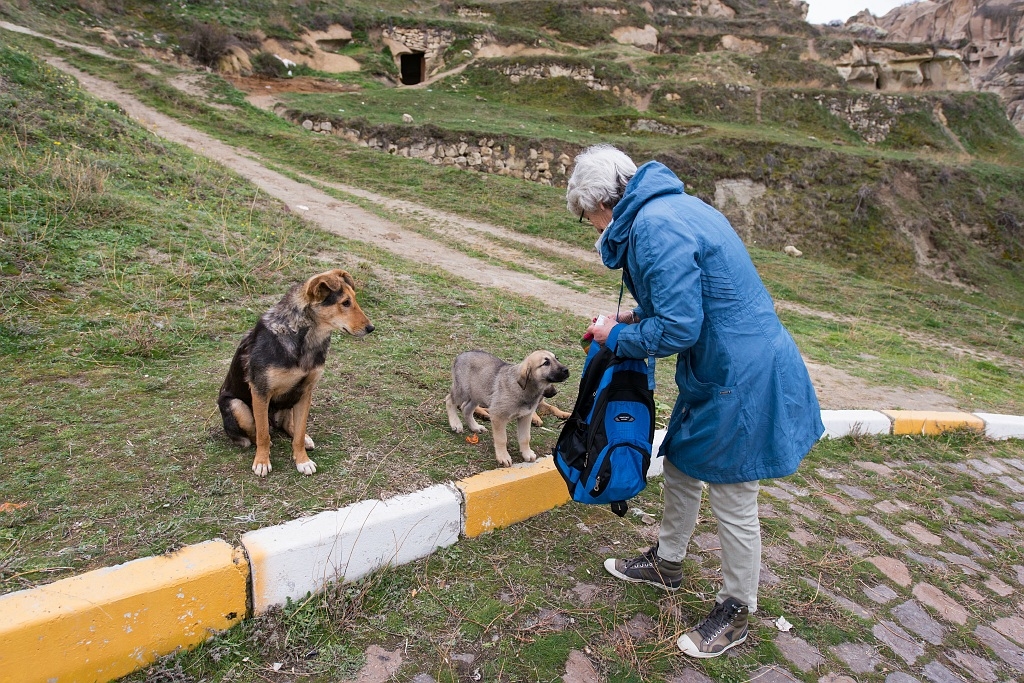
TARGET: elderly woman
(746,409)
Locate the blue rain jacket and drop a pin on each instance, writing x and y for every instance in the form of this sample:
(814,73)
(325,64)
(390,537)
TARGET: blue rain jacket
(746,408)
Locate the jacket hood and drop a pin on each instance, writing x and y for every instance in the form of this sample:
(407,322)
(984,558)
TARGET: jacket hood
(651,180)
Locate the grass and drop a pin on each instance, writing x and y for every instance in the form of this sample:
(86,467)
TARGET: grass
(511,605)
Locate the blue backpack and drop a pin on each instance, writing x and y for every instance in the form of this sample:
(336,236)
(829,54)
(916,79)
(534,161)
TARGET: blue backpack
(604,449)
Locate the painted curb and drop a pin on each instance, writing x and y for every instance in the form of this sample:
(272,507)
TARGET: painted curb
(498,498)
(1001,427)
(930,422)
(840,423)
(109,622)
(304,555)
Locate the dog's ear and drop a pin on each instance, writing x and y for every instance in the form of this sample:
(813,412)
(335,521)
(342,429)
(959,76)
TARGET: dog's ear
(525,370)
(318,287)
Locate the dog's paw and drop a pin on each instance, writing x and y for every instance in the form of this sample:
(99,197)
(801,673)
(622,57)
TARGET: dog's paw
(456,428)
(309,443)
(261,469)
(536,421)
(308,467)
(479,429)
(504,460)
(529,456)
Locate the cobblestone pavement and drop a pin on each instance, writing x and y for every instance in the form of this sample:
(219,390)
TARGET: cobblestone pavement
(922,560)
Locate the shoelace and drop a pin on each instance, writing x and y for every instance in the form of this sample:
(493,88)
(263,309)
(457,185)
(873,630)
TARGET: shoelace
(649,557)
(720,617)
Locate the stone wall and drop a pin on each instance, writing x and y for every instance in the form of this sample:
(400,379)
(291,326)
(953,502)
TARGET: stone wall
(546,162)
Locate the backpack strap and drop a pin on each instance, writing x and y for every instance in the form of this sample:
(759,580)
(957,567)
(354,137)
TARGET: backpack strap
(619,507)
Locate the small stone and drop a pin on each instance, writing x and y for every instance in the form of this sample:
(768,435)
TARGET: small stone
(423,678)
(1011,627)
(881,530)
(985,468)
(900,677)
(998,586)
(947,608)
(778,493)
(887,507)
(881,594)
(798,652)
(855,492)
(877,468)
(579,669)
(980,668)
(967,543)
(937,673)
(925,560)
(828,473)
(586,592)
(1012,484)
(962,561)
(915,618)
(920,534)
(898,640)
(766,577)
(771,674)
(893,569)
(835,678)
(852,547)
(962,502)
(837,503)
(1004,649)
(1020,573)
(805,512)
(709,543)
(859,657)
(307,124)
(971,594)
(802,536)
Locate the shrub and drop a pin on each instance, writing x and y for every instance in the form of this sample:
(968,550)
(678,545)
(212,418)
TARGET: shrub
(206,43)
(268,65)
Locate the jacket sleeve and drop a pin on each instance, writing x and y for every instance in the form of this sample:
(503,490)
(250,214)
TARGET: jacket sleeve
(665,265)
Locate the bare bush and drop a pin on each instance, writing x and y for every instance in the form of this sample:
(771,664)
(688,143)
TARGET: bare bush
(206,43)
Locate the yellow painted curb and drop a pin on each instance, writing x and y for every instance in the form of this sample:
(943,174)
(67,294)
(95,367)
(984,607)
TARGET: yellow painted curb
(930,422)
(498,498)
(109,622)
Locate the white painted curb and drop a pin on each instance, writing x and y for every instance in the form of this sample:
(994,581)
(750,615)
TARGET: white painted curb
(1002,426)
(840,423)
(305,555)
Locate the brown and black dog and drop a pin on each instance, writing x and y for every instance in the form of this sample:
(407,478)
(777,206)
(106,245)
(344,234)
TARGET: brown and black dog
(279,362)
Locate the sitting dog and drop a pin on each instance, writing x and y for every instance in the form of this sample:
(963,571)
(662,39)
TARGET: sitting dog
(279,362)
(509,392)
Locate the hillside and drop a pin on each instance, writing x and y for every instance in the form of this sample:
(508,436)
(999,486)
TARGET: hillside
(876,150)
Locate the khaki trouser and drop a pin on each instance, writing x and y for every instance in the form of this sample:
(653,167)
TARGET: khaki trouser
(739,529)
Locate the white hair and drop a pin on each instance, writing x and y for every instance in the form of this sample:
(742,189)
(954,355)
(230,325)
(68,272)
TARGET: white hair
(598,177)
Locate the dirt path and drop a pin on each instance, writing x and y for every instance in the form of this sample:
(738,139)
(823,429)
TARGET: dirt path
(836,389)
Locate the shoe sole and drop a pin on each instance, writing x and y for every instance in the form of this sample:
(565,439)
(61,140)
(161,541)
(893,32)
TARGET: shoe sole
(706,655)
(609,565)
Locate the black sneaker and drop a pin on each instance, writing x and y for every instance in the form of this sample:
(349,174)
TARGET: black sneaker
(725,627)
(648,568)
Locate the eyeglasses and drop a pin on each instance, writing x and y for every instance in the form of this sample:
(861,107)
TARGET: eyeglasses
(582,215)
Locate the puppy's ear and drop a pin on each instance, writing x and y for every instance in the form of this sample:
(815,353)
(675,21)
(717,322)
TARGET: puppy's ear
(318,287)
(525,370)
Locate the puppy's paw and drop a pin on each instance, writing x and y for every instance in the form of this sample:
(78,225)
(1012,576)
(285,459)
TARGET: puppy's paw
(529,456)
(456,428)
(504,460)
(309,443)
(536,421)
(308,467)
(478,429)
(261,469)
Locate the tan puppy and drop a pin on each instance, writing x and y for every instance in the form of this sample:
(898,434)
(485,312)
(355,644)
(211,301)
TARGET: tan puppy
(509,392)
(279,362)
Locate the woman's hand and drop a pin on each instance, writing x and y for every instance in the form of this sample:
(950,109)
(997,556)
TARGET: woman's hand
(600,328)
